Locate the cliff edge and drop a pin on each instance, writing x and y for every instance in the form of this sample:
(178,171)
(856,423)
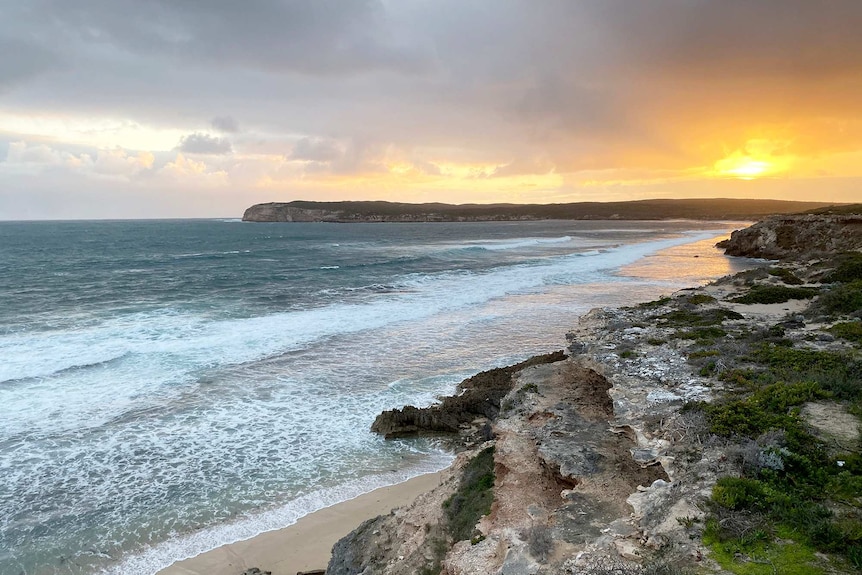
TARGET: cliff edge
(712,431)
(797,236)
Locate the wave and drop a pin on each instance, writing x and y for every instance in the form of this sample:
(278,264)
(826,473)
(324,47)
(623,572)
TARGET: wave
(168,349)
(204,341)
(516,244)
(158,557)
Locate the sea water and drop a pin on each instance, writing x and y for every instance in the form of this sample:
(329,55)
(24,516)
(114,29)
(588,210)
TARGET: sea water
(170,386)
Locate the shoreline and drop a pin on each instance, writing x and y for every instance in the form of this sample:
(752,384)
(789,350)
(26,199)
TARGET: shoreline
(307,544)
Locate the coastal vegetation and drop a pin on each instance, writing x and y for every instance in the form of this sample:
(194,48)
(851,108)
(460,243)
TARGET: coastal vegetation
(462,510)
(768,294)
(473,498)
(797,493)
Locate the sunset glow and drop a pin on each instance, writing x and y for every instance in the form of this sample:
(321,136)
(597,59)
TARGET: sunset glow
(742,167)
(402,101)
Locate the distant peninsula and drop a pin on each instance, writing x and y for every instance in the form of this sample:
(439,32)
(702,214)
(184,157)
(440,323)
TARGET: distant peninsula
(663,209)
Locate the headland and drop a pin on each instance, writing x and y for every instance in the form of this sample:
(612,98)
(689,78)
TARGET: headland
(366,212)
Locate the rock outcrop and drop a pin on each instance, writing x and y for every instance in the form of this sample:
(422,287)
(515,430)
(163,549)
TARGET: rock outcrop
(796,237)
(280,212)
(477,397)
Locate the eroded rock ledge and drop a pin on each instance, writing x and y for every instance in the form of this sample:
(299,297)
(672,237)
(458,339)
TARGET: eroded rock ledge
(477,397)
(797,237)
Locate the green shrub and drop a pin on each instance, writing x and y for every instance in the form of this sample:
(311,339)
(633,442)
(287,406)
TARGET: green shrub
(774,294)
(849,268)
(699,318)
(844,298)
(767,408)
(473,498)
(654,304)
(850,330)
(837,373)
(738,493)
(700,298)
(785,275)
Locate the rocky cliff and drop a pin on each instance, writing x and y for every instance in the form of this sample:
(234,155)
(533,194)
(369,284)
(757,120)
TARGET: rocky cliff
(280,212)
(797,237)
(660,445)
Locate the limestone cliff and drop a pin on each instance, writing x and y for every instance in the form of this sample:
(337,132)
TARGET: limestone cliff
(280,212)
(598,469)
(797,237)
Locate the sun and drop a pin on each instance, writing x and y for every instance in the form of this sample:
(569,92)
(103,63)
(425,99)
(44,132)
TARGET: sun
(744,168)
(759,158)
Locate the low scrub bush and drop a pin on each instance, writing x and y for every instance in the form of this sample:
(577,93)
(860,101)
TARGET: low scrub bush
(473,498)
(654,304)
(851,331)
(698,318)
(839,374)
(785,275)
(842,299)
(700,298)
(848,268)
(774,294)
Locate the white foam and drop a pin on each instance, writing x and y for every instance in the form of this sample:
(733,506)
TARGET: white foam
(167,347)
(156,558)
(512,244)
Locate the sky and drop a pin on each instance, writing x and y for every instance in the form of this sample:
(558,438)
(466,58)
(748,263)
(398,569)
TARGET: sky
(200,108)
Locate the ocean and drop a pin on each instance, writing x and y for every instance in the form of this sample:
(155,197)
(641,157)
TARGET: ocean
(170,386)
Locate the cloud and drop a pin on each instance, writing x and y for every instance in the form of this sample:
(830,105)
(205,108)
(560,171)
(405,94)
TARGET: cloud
(326,90)
(194,172)
(117,163)
(317,150)
(199,143)
(225,124)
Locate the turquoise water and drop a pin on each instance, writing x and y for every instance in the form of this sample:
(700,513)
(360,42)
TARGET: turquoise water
(169,386)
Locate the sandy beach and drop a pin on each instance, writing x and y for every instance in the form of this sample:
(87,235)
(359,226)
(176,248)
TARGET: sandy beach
(305,545)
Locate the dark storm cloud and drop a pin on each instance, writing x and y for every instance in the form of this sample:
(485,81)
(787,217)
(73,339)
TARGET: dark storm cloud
(204,144)
(577,83)
(21,60)
(310,36)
